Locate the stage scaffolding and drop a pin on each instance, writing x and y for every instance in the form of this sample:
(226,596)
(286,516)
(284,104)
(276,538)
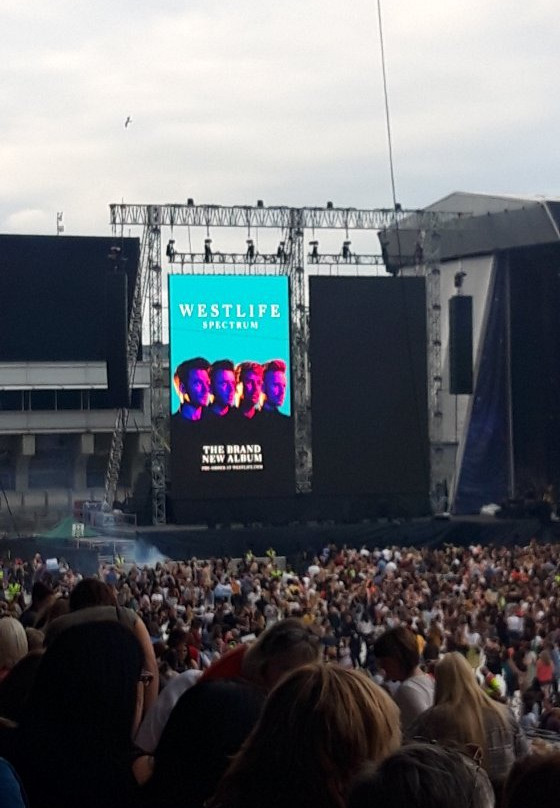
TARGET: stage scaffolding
(293,225)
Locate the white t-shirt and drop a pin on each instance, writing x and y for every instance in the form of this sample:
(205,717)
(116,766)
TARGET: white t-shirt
(153,724)
(415,695)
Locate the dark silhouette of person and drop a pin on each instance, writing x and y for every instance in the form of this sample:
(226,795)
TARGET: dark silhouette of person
(192,383)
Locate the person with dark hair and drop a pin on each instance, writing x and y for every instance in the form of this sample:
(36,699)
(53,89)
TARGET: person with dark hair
(319,725)
(206,727)
(93,600)
(250,376)
(423,775)
(533,780)
(90,592)
(74,742)
(50,612)
(274,386)
(41,596)
(396,652)
(178,655)
(222,382)
(15,688)
(192,384)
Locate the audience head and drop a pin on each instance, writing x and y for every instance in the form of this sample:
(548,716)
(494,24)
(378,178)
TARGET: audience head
(397,653)
(17,685)
(533,780)
(13,644)
(220,715)
(284,646)
(40,595)
(91,592)
(456,680)
(318,726)
(75,736)
(423,775)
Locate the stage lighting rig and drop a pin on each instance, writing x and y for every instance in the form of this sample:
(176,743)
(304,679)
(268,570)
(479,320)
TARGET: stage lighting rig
(170,249)
(458,280)
(288,258)
(314,254)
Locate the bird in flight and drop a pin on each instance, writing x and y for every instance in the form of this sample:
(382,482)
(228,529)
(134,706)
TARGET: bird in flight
(127,122)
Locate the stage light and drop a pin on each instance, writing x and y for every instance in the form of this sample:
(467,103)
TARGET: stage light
(314,255)
(114,254)
(208,251)
(329,205)
(281,251)
(260,203)
(346,254)
(458,280)
(250,254)
(170,250)
(190,202)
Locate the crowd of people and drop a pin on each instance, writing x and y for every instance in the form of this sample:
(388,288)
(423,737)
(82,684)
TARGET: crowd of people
(362,675)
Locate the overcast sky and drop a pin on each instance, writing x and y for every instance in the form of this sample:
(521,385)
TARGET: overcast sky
(237,100)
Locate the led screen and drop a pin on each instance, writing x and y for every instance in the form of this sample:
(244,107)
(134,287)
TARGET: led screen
(52,303)
(368,388)
(231,417)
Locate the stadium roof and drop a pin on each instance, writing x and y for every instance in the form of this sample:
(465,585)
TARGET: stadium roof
(479,224)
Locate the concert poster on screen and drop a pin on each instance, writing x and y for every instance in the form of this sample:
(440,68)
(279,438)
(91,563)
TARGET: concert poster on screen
(232,430)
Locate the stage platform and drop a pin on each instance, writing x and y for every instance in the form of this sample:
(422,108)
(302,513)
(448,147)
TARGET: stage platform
(297,542)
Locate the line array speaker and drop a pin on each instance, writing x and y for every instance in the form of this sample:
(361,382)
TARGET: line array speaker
(116,330)
(460,345)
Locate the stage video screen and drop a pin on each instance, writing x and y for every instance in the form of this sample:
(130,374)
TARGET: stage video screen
(52,303)
(368,387)
(232,429)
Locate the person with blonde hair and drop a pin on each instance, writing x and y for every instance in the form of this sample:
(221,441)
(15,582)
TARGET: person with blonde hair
(463,714)
(13,644)
(320,724)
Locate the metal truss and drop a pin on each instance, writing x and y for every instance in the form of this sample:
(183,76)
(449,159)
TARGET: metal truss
(288,260)
(219,261)
(158,417)
(329,217)
(354,259)
(133,344)
(428,251)
(300,355)
(245,265)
